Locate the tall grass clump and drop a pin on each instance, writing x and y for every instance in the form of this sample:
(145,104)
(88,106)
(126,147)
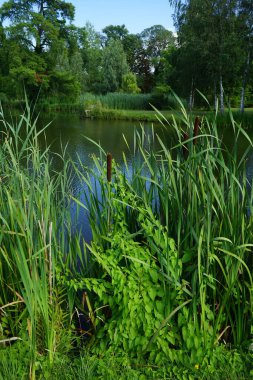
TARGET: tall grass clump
(119,101)
(245,119)
(36,246)
(123,101)
(172,246)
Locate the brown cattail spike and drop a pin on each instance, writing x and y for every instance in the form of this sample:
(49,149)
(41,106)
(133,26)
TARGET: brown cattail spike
(196,129)
(109,167)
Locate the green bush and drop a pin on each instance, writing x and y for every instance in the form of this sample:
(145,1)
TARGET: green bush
(129,84)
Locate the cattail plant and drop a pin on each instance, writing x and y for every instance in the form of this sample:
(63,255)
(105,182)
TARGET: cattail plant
(109,167)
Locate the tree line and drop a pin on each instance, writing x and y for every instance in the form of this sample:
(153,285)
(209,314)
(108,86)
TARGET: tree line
(42,50)
(215,42)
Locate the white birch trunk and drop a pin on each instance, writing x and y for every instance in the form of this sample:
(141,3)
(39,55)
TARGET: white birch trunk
(191,98)
(244,82)
(222,108)
(215,96)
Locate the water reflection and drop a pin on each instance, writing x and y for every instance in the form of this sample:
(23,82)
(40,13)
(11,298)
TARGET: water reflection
(70,131)
(71,135)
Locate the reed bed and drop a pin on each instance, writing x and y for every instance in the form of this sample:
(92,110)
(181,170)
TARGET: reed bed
(245,118)
(36,246)
(119,101)
(141,102)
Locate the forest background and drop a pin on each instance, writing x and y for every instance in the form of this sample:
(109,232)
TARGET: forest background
(42,51)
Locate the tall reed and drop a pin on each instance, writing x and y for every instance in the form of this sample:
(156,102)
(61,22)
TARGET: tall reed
(36,244)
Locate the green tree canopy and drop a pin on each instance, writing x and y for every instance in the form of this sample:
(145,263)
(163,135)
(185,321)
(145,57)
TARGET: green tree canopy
(114,66)
(129,84)
(150,55)
(115,32)
(209,48)
(156,39)
(38,23)
(39,31)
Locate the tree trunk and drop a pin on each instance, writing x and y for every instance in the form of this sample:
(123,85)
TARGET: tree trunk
(222,108)
(191,98)
(39,44)
(244,82)
(215,95)
(41,7)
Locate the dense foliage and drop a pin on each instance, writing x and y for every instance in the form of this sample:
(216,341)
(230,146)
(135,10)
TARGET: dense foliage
(215,39)
(42,50)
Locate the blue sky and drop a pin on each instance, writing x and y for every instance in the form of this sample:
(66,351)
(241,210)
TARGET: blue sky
(135,14)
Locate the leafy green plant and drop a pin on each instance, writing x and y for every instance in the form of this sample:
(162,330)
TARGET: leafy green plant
(133,290)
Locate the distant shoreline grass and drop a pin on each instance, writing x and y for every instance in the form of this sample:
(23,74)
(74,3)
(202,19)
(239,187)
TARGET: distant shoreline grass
(121,107)
(131,115)
(152,115)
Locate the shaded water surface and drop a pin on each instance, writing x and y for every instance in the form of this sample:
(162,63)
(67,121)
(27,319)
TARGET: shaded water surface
(72,134)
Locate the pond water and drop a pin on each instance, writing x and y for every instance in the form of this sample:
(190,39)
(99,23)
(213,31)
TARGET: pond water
(70,132)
